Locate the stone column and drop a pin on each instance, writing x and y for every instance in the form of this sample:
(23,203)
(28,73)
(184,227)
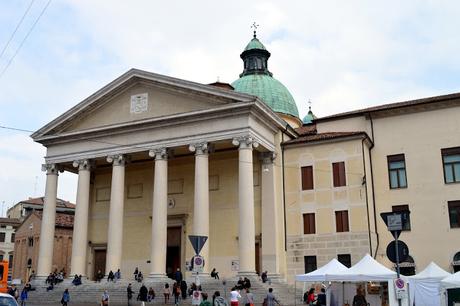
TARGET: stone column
(117,197)
(159,214)
(80,226)
(246,229)
(269,215)
(201,198)
(46,246)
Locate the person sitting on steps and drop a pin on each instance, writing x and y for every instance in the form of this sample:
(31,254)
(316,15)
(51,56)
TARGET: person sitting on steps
(214,274)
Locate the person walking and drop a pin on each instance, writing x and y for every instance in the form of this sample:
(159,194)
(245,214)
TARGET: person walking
(234,296)
(166,293)
(105,298)
(321,299)
(271,299)
(143,293)
(248,298)
(176,293)
(219,300)
(183,289)
(129,292)
(178,276)
(136,272)
(205,301)
(65,297)
(24,296)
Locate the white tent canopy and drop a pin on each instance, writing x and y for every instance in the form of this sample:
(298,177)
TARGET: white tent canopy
(322,274)
(367,269)
(452,281)
(425,287)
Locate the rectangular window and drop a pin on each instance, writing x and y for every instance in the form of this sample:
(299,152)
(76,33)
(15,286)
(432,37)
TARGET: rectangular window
(307,177)
(12,237)
(1,257)
(10,262)
(309,223)
(338,171)
(344,259)
(397,208)
(341,221)
(2,237)
(310,263)
(454,214)
(397,171)
(451,162)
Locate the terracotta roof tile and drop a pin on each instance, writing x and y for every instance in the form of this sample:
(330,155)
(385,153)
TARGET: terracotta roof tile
(306,130)
(322,136)
(41,200)
(62,220)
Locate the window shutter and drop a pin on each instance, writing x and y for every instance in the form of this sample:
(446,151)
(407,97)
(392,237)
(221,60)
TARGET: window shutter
(346,228)
(338,221)
(307,178)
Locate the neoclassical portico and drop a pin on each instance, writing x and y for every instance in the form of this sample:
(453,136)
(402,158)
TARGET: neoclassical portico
(140,164)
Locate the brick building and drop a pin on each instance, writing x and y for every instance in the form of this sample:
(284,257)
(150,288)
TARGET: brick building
(27,240)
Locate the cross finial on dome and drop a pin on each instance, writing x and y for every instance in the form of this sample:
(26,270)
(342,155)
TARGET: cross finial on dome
(255,26)
(309,105)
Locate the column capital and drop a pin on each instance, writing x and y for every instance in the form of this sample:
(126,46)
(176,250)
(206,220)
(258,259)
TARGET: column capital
(267,157)
(117,159)
(200,148)
(245,142)
(159,153)
(52,168)
(83,164)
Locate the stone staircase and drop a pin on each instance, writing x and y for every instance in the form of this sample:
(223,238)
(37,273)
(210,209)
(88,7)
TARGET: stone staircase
(90,292)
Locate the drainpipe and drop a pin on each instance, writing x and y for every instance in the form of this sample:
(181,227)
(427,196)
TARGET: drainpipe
(367,198)
(284,188)
(372,185)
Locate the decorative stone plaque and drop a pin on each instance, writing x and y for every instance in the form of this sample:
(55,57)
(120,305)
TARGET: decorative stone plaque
(139,103)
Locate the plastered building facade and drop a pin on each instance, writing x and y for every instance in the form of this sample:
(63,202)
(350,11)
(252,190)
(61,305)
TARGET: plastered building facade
(160,158)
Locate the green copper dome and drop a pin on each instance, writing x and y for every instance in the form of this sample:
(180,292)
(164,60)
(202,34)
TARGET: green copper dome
(255,44)
(257,80)
(270,91)
(309,117)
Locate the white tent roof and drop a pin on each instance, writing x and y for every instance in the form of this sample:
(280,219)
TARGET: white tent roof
(322,274)
(452,281)
(367,269)
(432,271)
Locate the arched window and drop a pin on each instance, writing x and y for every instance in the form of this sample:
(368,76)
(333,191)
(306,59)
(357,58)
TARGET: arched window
(407,267)
(456,262)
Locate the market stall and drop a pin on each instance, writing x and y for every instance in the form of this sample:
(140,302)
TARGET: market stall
(452,286)
(425,287)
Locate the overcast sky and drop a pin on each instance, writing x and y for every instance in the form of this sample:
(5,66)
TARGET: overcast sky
(342,55)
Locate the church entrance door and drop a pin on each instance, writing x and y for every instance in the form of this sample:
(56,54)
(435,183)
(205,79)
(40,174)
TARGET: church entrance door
(99,261)
(173,252)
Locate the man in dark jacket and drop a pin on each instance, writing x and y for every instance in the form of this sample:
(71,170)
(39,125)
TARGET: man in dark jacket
(178,276)
(129,293)
(143,292)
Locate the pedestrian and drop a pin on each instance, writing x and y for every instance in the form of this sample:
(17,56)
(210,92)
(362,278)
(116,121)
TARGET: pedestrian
(13,291)
(270,299)
(151,295)
(117,275)
(111,276)
(359,299)
(166,293)
(249,298)
(136,272)
(264,276)
(105,299)
(311,297)
(205,301)
(178,276)
(99,276)
(24,296)
(219,300)
(143,293)
(129,292)
(234,296)
(176,293)
(183,289)
(321,299)
(65,297)
(214,274)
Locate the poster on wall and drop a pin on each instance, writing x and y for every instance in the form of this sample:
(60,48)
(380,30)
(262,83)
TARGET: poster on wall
(235,265)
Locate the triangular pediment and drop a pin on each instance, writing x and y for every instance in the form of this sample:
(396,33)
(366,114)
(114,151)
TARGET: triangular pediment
(137,96)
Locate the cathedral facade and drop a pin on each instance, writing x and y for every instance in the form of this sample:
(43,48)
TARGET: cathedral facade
(160,158)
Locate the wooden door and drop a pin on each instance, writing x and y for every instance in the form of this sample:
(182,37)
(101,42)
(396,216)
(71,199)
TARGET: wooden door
(99,261)
(173,251)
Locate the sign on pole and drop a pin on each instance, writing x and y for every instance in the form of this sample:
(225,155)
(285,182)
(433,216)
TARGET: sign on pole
(197,242)
(403,251)
(400,288)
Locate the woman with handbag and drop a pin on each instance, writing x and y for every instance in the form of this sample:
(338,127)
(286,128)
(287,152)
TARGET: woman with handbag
(249,298)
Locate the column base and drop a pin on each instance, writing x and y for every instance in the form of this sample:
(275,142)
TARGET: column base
(248,274)
(157,278)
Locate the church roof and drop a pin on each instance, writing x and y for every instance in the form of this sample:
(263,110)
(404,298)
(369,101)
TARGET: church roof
(257,80)
(309,117)
(255,44)
(270,90)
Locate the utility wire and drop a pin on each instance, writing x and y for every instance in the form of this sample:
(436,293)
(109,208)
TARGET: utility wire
(143,148)
(25,38)
(16,29)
